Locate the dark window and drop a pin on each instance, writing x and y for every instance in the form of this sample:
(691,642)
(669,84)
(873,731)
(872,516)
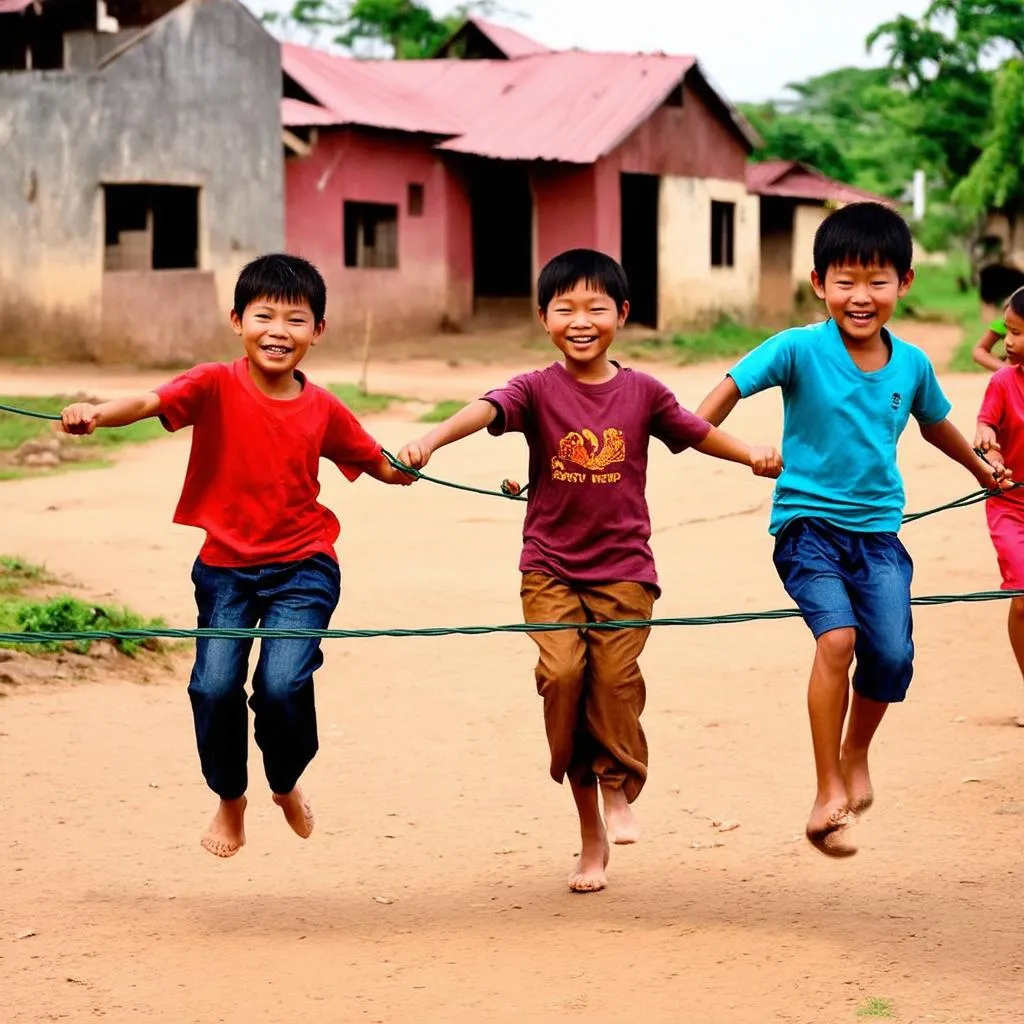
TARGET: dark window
(723,233)
(371,234)
(151,227)
(416,197)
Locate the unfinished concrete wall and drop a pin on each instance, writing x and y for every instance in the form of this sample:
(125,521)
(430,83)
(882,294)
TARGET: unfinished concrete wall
(192,100)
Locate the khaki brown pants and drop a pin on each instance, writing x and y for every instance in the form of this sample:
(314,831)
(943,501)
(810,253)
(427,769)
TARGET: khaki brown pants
(591,684)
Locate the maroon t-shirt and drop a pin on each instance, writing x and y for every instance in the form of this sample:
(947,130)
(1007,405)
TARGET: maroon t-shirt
(587,519)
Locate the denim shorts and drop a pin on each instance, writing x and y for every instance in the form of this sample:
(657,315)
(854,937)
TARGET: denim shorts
(840,579)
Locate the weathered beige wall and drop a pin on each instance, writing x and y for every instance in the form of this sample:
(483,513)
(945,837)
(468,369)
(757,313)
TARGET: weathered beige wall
(690,290)
(806,221)
(194,102)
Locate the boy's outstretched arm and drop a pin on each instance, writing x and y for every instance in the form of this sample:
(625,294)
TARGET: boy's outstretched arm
(387,474)
(719,402)
(763,460)
(473,417)
(954,445)
(84,417)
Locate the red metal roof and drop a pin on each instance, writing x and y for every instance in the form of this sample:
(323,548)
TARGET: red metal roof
(355,92)
(569,106)
(791,179)
(511,43)
(14,6)
(296,114)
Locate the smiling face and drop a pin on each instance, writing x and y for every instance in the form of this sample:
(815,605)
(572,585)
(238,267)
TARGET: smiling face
(277,336)
(861,298)
(582,323)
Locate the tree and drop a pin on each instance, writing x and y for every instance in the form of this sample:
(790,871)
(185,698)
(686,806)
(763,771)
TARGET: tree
(403,29)
(943,59)
(996,181)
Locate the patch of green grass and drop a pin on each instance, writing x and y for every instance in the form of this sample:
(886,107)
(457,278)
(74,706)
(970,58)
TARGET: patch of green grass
(875,1007)
(363,402)
(20,613)
(442,411)
(941,293)
(726,340)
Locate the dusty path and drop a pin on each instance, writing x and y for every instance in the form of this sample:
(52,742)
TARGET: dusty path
(433,889)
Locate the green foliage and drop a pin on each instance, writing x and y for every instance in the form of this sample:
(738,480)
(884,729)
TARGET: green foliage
(442,411)
(876,1007)
(362,403)
(995,180)
(850,124)
(405,29)
(69,615)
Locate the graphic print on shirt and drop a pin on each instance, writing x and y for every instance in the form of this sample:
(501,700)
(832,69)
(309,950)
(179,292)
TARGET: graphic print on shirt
(583,449)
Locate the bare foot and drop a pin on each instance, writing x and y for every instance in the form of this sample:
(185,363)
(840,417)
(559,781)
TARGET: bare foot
(828,830)
(859,790)
(297,812)
(226,834)
(619,819)
(588,875)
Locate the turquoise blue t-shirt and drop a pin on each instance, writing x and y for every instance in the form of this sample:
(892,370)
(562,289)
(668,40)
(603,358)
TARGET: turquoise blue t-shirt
(841,425)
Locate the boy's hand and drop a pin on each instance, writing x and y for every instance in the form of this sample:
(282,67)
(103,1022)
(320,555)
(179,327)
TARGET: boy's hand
(996,476)
(765,461)
(985,439)
(79,418)
(415,454)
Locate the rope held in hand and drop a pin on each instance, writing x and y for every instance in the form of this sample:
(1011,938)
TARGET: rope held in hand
(514,493)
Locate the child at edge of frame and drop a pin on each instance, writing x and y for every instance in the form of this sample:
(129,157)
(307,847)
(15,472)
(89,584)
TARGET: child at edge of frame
(1000,435)
(586,556)
(260,428)
(849,387)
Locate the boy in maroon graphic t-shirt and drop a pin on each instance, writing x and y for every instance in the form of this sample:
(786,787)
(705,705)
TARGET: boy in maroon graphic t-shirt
(260,429)
(586,556)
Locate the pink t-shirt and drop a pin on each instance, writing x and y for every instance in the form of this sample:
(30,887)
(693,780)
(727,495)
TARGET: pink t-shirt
(1003,409)
(587,519)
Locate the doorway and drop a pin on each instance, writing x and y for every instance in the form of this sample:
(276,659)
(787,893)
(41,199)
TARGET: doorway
(502,211)
(639,203)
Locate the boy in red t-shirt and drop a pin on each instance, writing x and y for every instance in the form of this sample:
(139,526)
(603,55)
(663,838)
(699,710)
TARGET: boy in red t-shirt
(586,556)
(259,432)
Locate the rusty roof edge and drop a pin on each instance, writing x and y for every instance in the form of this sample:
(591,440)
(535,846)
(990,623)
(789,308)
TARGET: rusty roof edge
(740,123)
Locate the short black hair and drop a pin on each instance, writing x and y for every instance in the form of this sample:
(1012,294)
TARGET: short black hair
(863,234)
(582,266)
(1015,303)
(281,277)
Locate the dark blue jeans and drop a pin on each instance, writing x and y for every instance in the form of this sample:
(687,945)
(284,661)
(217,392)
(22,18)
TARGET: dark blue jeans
(296,595)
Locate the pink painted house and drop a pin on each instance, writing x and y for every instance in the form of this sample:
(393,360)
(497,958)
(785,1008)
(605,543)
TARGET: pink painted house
(429,191)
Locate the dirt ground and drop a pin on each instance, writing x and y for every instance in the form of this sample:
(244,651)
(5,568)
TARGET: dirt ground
(433,889)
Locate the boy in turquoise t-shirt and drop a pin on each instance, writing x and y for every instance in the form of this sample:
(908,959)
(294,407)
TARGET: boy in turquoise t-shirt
(849,389)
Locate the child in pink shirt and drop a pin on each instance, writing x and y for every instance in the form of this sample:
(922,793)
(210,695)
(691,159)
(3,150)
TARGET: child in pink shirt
(586,557)
(1001,430)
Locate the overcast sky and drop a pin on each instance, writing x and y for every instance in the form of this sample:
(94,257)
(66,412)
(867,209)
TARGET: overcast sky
(750,48)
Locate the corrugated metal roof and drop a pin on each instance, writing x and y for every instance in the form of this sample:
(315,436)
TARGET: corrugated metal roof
(356,93)
(791,179)
(14,6)
(296,114)
(572,106)
(511,43)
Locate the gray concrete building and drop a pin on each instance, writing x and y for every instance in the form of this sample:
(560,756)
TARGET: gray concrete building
(141,168)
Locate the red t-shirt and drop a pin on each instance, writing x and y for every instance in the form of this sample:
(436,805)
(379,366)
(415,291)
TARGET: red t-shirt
(251,482)
(1003,409)
(587,519)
